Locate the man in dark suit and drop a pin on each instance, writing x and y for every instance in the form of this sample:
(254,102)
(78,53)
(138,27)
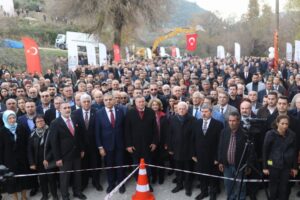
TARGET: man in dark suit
(46,103)
(154,95)
(206,133)
(85,117)
(53,113)
(262,93)
(141,132)
(179,145)
(197,100)
(27,121)
(246,76)
(231,145)
(110,140)
(68,152)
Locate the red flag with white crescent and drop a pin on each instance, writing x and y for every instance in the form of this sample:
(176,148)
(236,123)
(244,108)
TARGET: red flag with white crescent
(117,54)
(173,51)
(32,55)
(191,42)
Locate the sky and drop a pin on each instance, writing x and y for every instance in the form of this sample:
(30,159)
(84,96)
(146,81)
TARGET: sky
(233,8)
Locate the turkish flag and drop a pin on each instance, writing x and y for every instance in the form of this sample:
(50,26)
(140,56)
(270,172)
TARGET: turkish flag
(191,42)
(173,51)
(32,55)
(117,54)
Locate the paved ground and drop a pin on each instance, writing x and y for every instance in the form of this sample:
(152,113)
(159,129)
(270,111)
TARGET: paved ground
(161,192)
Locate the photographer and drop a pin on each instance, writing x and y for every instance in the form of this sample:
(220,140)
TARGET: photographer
(280,157)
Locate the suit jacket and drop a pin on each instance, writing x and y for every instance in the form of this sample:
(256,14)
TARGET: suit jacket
(227,112)
(261,95)
(180,137)
(108,137)
(89,137)
(50,115)
(224,145)
(261,86)
(23,121)
(205,147)
(246,80)
(67,146)
(294,113)
(141,133)
(39,109)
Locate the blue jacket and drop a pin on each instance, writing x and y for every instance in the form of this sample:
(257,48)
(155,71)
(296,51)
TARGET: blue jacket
(108,137)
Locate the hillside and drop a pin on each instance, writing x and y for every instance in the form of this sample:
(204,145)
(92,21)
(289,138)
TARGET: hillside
(183,13)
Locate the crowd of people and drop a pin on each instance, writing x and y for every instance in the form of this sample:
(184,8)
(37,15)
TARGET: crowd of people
(189,113)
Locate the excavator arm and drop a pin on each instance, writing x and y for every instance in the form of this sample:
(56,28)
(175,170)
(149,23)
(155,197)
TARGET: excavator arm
(171,34)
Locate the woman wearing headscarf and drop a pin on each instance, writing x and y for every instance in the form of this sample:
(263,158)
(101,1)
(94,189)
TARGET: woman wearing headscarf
(13,154)
(40,157)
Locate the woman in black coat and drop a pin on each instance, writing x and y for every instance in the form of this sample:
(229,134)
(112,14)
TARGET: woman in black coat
(160,154)
(13,154)
(280,158)
(39,157)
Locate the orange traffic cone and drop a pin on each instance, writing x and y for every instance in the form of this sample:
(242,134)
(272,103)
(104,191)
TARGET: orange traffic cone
(142,187)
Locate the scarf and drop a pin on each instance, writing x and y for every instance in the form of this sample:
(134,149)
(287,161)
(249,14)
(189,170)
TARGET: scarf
(11,127)
(40,133)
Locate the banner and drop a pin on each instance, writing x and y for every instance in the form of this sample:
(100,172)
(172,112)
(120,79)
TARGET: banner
(297,51)
(32,55)
(72,55)
(289,51)
(91,54)
(148,53)
(177,53)
(117,53)
(173,52)
(7,7)
(237,52)
(191,42)
(127,54)
(220,52)
(162,52)
(102,54)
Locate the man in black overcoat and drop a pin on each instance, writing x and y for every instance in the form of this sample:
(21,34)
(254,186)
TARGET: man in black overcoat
(206,134)
(179,145)
(68,152)
(141,132)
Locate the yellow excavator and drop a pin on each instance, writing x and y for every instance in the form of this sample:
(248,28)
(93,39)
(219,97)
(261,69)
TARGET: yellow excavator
(170,34)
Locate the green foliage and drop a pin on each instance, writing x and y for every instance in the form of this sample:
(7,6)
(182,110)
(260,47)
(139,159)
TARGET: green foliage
(15,58)
(253,10)
(44,34)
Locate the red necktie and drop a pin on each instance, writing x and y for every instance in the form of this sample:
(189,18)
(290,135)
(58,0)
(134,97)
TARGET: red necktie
(70,127)
(112,118)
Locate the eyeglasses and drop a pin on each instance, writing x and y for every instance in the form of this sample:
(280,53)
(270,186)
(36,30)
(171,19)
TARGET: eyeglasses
(45,96)
(153,89)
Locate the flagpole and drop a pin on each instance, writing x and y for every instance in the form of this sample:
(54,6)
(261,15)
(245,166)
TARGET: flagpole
(276,38)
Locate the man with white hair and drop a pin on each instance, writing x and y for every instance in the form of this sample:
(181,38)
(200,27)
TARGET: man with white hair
(85,118)
(180,137)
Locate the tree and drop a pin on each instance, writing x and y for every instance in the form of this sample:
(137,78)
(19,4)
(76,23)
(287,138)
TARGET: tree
(114,15)
(253,10)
